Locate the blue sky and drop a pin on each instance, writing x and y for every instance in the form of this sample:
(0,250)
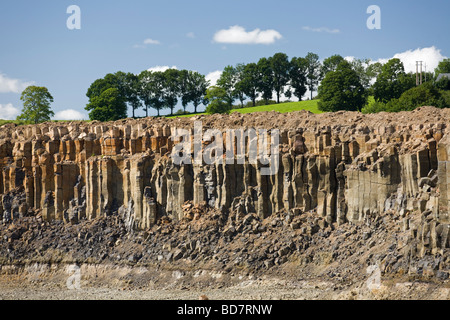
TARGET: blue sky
(36,47)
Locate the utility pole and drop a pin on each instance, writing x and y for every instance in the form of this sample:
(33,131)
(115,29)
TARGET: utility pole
(417,73)
(421,73)
(419,81)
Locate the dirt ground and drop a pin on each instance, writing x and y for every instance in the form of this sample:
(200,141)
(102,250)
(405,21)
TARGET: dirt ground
(131,283)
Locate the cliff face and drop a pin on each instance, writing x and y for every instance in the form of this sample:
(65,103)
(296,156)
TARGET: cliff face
(347,166)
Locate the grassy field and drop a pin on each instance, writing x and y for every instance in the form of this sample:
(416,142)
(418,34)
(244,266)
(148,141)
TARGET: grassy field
(282,108)
(3,122)
(21,123)
(285,107)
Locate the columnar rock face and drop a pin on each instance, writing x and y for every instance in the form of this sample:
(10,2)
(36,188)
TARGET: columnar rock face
(444,178)
(346,166)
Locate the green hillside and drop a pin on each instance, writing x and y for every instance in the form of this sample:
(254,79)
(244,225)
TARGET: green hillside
(282,108)
(285,107)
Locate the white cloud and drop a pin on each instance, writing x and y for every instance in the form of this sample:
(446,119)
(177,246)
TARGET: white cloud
(190,35)
(151,41)
(238,35)
(430,56)
(8,85)
(8,112)
(69,114)
(161,68)
(213,77)
(321,29)
(147,42)
(350,58)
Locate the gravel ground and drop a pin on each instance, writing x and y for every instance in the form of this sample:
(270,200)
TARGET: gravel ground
(267,289)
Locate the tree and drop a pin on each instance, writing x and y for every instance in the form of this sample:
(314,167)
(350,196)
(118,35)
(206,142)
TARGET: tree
(366,71)
(392,81)
(298,77)
(197,85)
(443,67)
(266,85)
(36,105)
(108,106)
(171,88)
(151,85)
(424,95)
(183,80)
(100,85)
(372,72)
(249,83)
(342,90)
(280,66)
(443,83)
(193,87)
(128,86)
(313,73)
(331,64)
(227,81)
(218,100)
(238,86)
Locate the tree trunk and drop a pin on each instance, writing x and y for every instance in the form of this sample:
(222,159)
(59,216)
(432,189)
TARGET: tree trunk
(254,102)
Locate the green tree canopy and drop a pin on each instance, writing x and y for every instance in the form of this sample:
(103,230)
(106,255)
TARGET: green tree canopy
(239,92)
(128,86)
(392,81)
(443,67)
(193,87)
(249,82)
(227,81)
(313,71)
(171,88)
(298,79)
(443,84)
(36,105)
(219,101)
(151,86)
(366,71)
(108,106)
(280,66)
(266,85)
(342,90)
(331,64)
(424,95)
(100,85)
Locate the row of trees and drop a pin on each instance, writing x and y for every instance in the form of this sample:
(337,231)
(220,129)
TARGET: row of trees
(393,89)
(344,86)
(292,77)
(110,96)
